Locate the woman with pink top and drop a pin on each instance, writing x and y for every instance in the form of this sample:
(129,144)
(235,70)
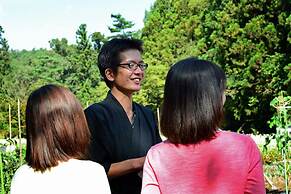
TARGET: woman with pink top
(198,157)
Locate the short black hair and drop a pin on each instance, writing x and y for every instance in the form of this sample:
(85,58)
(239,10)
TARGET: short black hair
(193,101)
(109,56)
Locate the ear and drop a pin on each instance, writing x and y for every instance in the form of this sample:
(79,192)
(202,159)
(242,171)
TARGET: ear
(223,98)
(109,74)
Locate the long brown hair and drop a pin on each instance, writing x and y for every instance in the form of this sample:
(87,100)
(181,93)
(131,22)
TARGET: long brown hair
(56,127)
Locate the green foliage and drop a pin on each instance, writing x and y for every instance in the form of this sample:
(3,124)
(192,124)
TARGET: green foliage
(4,55)
(5,67)
(148,95)
(250,40)
(29,70)
(271,155)
(81,74)
(121,27)
(10,162)
(83,42)
(32,69)
(4,119)
(98,40)
(61,46)
(282,120)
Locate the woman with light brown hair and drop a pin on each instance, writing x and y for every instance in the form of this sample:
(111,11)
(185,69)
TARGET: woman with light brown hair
(57,142)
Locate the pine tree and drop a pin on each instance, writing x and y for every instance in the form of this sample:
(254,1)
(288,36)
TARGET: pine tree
(121,27)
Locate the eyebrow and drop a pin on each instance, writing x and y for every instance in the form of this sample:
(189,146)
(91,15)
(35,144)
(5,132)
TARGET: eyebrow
(132,61)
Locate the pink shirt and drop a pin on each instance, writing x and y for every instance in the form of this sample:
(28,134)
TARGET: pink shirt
(229,164)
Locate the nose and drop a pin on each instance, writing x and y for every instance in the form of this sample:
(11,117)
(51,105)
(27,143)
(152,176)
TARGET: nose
(138,70)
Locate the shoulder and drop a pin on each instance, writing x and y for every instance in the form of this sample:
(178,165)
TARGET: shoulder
(233,135)
(96,107)
(89,169)
(86,164)
(23,174)
(85,175)
(24,169)
(236,139)
(160,147)
(96,112)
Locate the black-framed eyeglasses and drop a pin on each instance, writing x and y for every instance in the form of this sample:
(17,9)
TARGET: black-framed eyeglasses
(134,66)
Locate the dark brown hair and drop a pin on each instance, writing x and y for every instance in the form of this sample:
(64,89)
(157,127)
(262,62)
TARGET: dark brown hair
(193,104)
(56,127)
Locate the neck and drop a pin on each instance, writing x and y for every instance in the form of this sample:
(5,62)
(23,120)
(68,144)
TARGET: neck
(125,99)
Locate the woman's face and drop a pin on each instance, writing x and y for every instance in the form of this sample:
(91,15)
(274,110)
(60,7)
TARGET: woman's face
(125,79)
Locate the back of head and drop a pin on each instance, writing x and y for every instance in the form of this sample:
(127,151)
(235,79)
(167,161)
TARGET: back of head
(56,127)
(193,101)
(109,56)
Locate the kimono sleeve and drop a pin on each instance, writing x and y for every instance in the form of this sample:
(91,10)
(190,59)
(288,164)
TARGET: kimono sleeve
(99,149)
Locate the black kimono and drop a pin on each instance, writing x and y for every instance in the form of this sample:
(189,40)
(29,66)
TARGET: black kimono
(115,139)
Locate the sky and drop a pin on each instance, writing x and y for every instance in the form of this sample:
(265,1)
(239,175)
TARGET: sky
(31,24)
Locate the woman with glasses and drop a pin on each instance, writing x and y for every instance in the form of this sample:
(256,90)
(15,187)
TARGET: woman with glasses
(123,131)
(198,157)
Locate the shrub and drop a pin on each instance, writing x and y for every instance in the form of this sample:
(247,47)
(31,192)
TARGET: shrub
(9,163)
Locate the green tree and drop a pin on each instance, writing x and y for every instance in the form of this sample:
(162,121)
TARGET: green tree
(81,74)
(82,38)
(163,36)
(250,40)
(60,46)
(29,70)
(4,57)
(98,40)
(5,70)
(121,27)
(3,41)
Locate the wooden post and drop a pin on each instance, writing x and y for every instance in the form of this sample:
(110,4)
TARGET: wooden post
(158,115)
(1,175)
(9,112)
(159,125)
(19,130)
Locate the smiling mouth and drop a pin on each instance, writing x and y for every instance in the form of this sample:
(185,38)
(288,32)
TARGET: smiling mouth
(136,79)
